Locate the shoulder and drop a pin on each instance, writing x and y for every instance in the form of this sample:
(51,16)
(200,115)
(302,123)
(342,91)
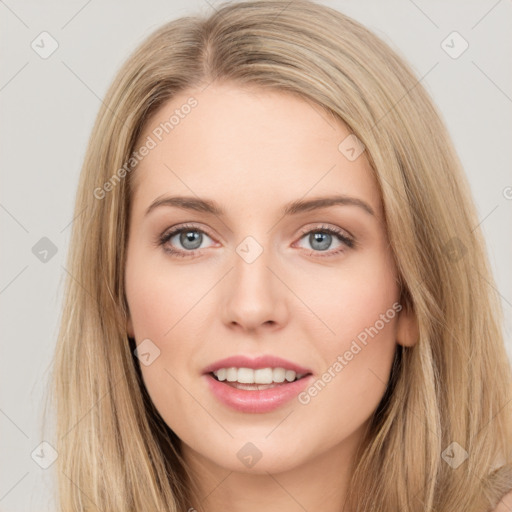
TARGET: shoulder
(505,505)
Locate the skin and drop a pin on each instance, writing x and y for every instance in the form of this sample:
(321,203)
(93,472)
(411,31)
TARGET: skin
(253,151)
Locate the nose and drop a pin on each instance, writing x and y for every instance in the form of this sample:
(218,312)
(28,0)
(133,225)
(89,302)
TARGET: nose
(255,298)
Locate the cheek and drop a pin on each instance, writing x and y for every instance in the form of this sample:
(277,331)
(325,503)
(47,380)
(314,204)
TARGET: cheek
(159,295)
(163,302)
(353,382)
(363,313)
(349,298)
(359,304)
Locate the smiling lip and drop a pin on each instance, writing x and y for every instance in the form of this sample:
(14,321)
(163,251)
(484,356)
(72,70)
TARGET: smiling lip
(253,400)
(256,364)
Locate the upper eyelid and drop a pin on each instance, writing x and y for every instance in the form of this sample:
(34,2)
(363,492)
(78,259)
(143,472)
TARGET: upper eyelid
(327,227)
(178,228)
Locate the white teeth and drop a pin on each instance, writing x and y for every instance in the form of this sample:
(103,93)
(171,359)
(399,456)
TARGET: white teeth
(263,376)
(279,374)
(290,375)
(231,374)
(245,376)
(260,376)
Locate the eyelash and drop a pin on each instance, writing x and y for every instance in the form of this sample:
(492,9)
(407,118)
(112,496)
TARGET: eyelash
(338,233)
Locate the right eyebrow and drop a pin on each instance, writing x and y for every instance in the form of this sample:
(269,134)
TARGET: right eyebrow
(187,203)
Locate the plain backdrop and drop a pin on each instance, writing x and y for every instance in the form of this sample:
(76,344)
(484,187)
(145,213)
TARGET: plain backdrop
(48,106)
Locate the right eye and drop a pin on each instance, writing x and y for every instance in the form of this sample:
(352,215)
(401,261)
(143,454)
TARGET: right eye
(189,237)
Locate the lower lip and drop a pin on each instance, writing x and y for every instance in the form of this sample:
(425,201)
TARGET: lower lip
(256,401)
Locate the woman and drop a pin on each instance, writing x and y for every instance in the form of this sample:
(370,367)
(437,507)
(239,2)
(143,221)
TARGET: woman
(279,299)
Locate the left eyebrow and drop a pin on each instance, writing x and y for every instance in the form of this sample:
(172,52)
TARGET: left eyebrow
(293,208)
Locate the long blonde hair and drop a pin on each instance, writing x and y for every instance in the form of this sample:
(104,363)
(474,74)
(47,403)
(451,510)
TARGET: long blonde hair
(453,386)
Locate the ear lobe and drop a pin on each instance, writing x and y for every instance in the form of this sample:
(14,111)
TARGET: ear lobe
(407,333)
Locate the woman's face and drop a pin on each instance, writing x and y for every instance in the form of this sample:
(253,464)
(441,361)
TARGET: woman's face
(271,271)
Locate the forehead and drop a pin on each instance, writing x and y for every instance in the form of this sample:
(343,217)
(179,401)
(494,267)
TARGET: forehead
(248,144)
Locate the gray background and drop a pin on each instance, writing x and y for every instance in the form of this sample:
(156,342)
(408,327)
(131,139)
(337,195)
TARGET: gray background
(48,107)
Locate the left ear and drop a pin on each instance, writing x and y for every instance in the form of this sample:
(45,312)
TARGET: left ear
(407,333)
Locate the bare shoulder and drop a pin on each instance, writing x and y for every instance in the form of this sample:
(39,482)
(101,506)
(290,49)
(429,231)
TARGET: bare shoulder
(505,505)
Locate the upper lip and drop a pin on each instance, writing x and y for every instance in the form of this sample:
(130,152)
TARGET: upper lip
(265,361)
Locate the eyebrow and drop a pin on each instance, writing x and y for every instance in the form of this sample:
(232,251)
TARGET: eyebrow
(293,208)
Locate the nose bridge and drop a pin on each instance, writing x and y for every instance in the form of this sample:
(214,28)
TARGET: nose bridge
(251,266)
(255,296)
